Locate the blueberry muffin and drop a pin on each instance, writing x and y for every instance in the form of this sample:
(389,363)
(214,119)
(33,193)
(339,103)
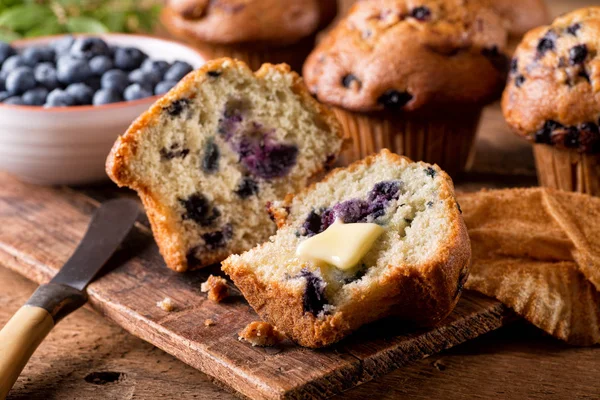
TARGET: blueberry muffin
(414,270)
(254,31)
(553,99)
(411,76)
(522,15)
(208,156)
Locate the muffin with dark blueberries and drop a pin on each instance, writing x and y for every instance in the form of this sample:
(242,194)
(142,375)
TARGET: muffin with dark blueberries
(253,31)
(553,99)
(412,76)
(521,16)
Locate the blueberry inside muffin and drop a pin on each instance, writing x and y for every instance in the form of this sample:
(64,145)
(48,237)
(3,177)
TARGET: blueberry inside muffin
(209,156)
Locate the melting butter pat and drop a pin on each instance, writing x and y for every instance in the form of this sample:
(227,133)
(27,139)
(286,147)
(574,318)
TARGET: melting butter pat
(341,245)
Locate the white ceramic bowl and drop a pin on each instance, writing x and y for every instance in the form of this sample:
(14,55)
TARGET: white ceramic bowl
(69,145)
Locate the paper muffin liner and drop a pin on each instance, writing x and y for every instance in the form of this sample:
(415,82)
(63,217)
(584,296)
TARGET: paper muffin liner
(446,138)
(567,169)
(256,55)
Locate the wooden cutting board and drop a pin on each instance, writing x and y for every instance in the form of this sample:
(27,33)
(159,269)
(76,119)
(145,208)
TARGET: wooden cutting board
(40,228)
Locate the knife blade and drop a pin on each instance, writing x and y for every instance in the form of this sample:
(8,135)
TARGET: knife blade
(109,226)
(65,293)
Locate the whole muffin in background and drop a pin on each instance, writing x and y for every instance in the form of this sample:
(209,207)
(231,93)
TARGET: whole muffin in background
(253,31)
(411,76)
(553,99)
(522,15)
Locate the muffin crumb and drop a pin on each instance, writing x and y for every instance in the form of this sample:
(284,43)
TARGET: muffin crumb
(262,334)
(209,322)
(166,304)
(216,287)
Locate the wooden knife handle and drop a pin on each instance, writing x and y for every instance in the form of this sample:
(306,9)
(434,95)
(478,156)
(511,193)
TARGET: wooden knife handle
(29,326)
(18,340)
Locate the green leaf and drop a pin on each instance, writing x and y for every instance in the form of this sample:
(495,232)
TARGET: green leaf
(115,21)
(49,27)
(25,17)
(85,25)
(8,36)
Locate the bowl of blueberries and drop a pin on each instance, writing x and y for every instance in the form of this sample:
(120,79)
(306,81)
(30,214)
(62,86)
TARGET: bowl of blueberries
(64,100)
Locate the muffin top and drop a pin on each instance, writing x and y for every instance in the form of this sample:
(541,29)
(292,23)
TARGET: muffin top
(408,54)
(553,93)
(247,21)
(522,15)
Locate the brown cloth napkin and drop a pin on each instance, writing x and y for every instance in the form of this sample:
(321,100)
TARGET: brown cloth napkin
(538,252)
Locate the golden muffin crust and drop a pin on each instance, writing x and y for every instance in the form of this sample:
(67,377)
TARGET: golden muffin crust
(248,21)
(553,94)
(407,54)
(522,15)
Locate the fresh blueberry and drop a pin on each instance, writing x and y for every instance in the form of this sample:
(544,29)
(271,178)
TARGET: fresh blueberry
(20,80)
(100,64)
(11,63)
(59,98)
(6,50)
(164,86)
(115,79)
(2,84)
(72,70)
(15,100)
(393,99)
(34,55)
(82,93)
(45,74)
(129,58)
(198,209)
(106,96)
(4,95)
(156,66)
(178,70)
(63,45)
(35,97)
(94,82)
(144,78)
(89,47)
(136,92)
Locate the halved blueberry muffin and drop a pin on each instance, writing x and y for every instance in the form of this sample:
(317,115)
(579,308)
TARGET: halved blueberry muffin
(208,156)
(415,268)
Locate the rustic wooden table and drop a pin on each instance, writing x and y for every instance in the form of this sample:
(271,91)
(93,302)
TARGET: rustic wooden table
(86,357)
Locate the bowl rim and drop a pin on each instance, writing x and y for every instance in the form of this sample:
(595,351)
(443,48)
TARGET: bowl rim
(88,108)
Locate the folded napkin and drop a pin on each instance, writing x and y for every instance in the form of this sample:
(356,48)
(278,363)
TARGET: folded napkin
(538,252)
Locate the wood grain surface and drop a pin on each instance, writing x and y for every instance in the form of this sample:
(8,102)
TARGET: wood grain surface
(87,357)
(42,226)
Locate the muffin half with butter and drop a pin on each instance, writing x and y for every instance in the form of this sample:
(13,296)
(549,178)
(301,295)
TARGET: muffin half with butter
(253,31)
(553,99)
(382,237)
(411,76)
